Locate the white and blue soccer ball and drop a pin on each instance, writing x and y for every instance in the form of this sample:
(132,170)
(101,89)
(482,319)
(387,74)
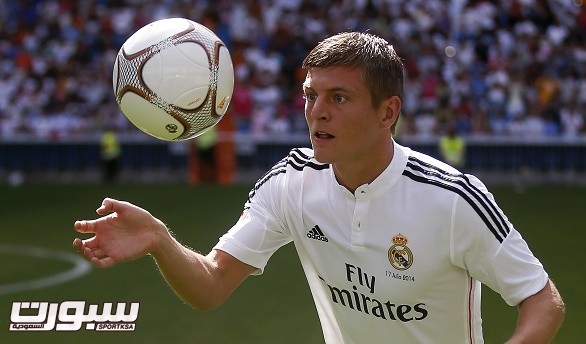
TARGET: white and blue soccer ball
(173,79)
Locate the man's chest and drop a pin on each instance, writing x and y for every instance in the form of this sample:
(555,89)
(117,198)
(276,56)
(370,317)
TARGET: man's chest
(373,245)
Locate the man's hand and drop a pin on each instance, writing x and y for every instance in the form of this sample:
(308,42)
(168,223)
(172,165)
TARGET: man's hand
(124,232)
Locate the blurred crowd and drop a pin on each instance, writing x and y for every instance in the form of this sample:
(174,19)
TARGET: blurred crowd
(500,67)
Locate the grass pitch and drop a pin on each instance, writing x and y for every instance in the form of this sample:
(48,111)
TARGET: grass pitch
(275,305)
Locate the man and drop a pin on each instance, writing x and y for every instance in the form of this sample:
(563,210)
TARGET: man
(110,152)
(452,148)
(394,244)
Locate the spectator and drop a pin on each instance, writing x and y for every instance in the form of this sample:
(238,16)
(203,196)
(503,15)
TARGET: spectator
(572,119)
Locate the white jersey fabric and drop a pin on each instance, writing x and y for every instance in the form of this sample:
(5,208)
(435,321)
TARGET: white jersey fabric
(400,260)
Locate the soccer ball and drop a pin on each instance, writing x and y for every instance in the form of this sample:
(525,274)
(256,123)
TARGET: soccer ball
(173,79)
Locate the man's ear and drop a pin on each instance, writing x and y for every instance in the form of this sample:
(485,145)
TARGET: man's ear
(393,109)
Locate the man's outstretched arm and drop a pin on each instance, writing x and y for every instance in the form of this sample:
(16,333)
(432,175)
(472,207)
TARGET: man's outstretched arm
(204,282)
(127,232)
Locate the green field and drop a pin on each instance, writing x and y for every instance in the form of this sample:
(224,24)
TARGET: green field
(273,308)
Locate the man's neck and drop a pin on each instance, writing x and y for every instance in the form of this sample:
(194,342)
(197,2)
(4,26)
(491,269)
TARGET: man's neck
(352,175)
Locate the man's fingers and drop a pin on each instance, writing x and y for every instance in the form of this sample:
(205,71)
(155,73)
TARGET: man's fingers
(96,260)
(90,244)
(93,249)
(78,244)
(105,262)
(84,226)
(93,255)
(108,205)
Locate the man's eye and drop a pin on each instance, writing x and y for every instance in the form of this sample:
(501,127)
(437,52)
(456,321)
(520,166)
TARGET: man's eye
(309,97)
(339,98)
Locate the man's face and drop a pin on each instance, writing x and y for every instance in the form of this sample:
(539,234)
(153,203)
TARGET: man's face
(343,125)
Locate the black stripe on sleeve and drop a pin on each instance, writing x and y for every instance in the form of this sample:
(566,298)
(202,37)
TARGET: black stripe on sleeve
(486,209)
(296,159)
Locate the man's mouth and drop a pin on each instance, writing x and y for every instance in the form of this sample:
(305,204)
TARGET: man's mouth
(323,135)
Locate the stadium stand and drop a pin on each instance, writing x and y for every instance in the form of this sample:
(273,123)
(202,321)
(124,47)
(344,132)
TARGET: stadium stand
(509,75)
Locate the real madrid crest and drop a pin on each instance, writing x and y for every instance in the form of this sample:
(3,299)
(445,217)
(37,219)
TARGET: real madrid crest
(400,256)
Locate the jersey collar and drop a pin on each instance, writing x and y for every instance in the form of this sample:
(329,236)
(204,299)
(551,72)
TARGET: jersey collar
(387,178)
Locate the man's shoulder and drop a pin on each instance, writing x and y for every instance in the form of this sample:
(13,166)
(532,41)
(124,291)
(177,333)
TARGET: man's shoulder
(289,172)
(421,161)
(301,158)
(292,165)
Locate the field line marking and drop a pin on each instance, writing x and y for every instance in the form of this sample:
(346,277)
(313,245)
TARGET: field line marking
(80,267)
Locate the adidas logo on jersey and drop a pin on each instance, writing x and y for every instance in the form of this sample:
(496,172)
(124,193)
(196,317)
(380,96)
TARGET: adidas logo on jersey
(317,234)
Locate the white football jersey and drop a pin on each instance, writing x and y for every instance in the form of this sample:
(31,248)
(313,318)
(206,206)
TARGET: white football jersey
(401,260)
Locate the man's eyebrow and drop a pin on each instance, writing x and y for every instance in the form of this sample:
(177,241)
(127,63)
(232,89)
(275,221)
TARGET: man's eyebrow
(339,89)
(330,90)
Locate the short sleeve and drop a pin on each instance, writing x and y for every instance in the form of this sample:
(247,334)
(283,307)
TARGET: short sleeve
(260,230)
(486,244)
